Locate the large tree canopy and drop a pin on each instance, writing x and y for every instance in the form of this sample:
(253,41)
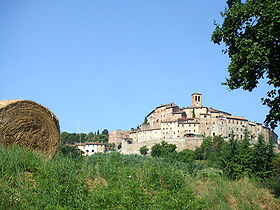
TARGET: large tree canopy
(251,34)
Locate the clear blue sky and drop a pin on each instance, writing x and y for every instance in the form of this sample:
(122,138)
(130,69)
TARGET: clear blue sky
(106,64)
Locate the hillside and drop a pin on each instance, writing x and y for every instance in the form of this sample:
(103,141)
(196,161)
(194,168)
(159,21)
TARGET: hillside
(113,181)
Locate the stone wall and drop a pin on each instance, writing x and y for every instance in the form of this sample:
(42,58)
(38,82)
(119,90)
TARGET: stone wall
(184,143)
(117,136)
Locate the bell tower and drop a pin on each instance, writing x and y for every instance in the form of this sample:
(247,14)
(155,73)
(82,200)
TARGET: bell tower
(196,99)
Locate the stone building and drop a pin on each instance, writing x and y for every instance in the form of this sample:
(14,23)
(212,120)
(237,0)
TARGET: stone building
(185,127)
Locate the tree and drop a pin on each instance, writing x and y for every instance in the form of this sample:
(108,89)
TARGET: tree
(145,121)
(156,150)
(193,113)
(250,32)
(68,151)
(186,156)
(64,137)
(144,150)
(105,132)
(90,136)
(264,156)
(164,150)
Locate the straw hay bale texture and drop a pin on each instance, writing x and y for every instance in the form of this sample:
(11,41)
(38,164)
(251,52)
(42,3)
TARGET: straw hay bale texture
(29,124)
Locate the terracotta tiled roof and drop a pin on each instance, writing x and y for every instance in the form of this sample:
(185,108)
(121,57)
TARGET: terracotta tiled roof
(218,111)
(150,129)
(88,143)
(196,93)
(236,118)
(190,122)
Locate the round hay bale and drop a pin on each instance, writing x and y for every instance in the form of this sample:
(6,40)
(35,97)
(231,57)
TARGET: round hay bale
(29,124)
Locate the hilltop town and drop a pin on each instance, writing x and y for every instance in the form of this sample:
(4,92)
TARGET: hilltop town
(186,127)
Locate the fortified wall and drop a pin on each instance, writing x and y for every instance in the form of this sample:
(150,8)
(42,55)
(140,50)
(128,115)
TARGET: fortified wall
(191,143)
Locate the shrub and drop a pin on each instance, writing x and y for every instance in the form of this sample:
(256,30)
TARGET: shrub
(144,150)
(164,150)
(66,150)
(185,156)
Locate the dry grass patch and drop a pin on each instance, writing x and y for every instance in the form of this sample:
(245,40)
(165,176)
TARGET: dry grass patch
(96,181)
(221,193)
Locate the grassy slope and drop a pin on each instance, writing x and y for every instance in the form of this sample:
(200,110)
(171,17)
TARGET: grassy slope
(113,181)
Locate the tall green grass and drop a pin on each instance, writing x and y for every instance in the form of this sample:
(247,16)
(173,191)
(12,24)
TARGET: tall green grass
(29,180)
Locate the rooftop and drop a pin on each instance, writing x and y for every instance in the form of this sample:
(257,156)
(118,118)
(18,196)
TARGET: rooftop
(86,143)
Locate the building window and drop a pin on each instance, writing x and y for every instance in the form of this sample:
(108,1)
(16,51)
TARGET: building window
(198,98)
(195,98)
(228,121)
(92,150)
(87,151)
(213,134)
(214,123)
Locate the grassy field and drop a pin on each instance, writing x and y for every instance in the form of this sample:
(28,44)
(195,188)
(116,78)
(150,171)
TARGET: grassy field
(113,181)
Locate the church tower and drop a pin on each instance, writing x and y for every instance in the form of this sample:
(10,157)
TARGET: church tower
(196,99)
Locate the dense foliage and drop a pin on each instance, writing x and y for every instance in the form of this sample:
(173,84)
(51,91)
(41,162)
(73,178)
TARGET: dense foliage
(239,158)
(70,138)
(250,32)
(66,150)
(165,150)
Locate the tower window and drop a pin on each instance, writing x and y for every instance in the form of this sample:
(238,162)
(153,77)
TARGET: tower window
(195,98)
(198,98)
